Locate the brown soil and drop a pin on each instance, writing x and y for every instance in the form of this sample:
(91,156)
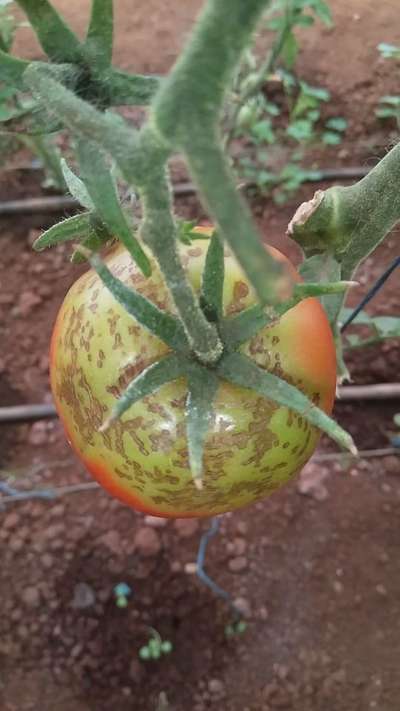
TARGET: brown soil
(318,576)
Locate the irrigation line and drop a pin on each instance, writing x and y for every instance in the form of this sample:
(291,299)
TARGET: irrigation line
(371,293)
(204,577)
(61,203)
(54,492)
(379,391)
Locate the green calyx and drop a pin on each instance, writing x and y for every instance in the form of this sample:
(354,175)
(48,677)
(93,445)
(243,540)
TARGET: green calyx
(203,379)
(91,73)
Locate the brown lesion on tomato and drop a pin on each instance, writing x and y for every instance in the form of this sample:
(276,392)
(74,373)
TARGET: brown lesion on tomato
(127,374)
(306,444)
(112,320)
(179,403)
(240,293)
(156,408)
(195,252)
(100,358)
(213,498)
(74,328)
(117,345)
(124,475)
(86,410)
(129,428)
(257,350)
(135,330)
(162,441)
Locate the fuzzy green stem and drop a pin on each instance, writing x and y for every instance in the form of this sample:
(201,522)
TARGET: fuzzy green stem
(99,39)
(142,160)
(159,232)
(211,172)
(350,222)
(186,113)
(54,35)
(50,157)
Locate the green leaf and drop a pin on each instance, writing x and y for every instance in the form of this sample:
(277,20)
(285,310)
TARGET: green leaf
(303,291)
(146,383)
(337,124)
(290,50)
(144,653)
(331,138)
(263,131)
(49,153)
(99,38)
(320,267)
(12,69)
(323,12)
(95,240)
(383,326)
(133,89)
(390,100)
(387,112)
(202,388)
(323,268)
(389,51)
(243,326)
(76,186)
(101,188)
(161,323)
(304,20)
(212,285)
(300,130)
(71,228)
(242,371)
(54,35)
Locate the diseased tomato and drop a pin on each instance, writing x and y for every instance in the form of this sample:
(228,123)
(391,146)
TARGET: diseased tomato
(253,446)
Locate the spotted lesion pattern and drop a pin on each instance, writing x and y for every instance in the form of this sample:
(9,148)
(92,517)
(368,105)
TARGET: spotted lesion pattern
(253,445)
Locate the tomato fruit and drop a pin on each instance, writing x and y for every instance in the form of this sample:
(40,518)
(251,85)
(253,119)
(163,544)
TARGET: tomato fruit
(253,446)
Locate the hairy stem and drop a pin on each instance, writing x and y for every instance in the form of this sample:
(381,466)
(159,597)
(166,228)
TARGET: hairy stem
(159,232)
(142,159)
(186,113)
(350,222)
(211,172)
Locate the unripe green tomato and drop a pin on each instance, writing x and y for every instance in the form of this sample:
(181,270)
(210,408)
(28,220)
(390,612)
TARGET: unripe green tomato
(253,445)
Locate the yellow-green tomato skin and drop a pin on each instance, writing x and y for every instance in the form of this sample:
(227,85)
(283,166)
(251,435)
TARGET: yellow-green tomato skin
(253,445)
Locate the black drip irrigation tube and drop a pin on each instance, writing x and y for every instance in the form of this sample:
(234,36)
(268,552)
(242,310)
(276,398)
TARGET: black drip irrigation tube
(28,413)
(61,203)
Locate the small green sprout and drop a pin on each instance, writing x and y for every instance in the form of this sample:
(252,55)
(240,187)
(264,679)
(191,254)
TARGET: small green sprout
(156,647)
(235,629)
(122,592)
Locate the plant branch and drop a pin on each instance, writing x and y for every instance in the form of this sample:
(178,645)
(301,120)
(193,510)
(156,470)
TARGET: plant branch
(159,232)
(192,97)
(54,35)
(211,172)
(351,221)
(99,39)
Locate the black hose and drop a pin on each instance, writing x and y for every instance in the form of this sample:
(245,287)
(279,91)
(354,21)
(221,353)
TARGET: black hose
(59,203)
